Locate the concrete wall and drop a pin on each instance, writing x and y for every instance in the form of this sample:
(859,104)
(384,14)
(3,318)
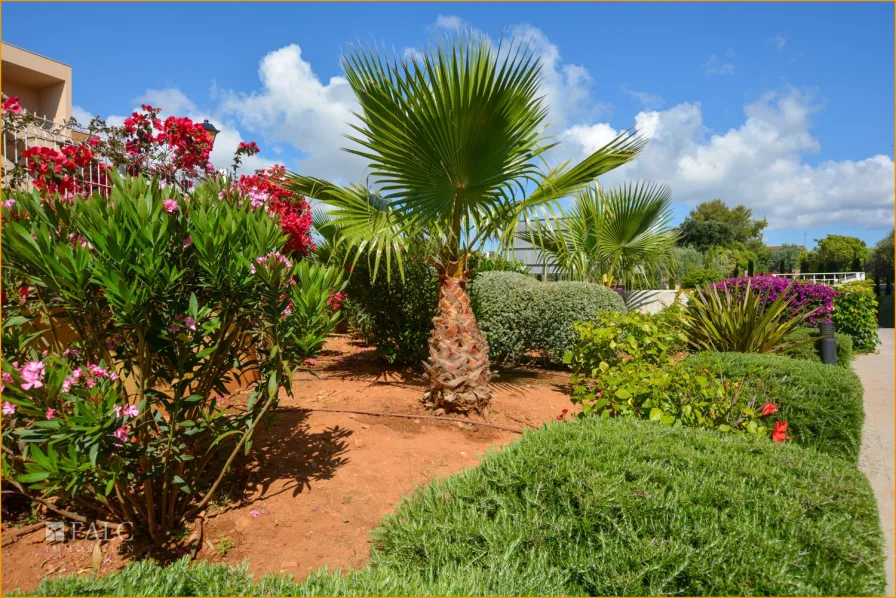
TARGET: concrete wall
(650,302)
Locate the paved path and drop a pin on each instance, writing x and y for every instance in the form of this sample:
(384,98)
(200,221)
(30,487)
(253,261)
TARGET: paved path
(876,457)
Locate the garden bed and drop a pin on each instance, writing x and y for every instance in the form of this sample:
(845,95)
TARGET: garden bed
(318,482)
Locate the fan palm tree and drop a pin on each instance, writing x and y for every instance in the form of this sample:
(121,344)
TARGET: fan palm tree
(614,236)
(455,142)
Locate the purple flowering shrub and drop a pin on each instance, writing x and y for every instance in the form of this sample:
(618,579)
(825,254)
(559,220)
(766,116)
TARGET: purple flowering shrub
(125,319)
(807,296)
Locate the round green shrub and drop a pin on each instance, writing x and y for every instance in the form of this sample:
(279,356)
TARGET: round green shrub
(697,279)
(821,404)
(559,305)
(596,508)
(812,351)
(503,303)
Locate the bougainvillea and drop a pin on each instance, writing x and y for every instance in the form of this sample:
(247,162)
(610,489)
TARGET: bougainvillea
(174,149)
(807,296)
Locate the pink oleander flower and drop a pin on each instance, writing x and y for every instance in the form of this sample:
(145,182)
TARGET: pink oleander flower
(7,377)
(9,204)
(190,323)
(188,241)
(8,408)
(127,411)
(170,205)
(51,413)
(91,383)
(173,328)
(70,353)
(311,362)
(32,374)
(67,384)
(76,374)
(122,432)
(255,512)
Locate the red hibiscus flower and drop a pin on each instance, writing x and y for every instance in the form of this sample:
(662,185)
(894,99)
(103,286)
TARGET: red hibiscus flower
(778,435)
(769,409)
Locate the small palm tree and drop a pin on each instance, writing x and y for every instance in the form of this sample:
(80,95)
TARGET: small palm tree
(614,236)
(455,142)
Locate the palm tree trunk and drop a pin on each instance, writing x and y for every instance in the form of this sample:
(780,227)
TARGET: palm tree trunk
(458,354)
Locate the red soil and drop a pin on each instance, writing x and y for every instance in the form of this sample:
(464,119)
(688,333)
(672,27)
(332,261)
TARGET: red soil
(317,483)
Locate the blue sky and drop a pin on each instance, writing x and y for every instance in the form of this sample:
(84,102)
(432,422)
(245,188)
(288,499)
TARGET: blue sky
(787,108)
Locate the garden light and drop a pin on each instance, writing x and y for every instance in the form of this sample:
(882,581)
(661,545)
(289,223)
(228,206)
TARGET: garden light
(210,130)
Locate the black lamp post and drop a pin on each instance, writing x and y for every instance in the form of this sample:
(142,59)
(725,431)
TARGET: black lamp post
(211,131)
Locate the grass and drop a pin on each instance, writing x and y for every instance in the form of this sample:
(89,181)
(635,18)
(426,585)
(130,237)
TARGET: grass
(597,507)
(821,404)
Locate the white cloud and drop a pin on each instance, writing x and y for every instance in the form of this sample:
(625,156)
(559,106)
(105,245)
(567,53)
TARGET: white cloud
(778,41)
(82,116)
(758,163)
(648,100)
(295,107)
(714,66)
(449,22)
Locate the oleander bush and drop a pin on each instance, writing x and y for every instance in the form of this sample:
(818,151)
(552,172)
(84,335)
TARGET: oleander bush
(125,317)
(596,508)
(821,404)
(395,313)
(812,351)
(855,313)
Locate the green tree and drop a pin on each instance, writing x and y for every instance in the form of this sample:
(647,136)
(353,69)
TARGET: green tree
(839,253)
(880,264)
(786,258)
(616,236)
(455,142)
(714,224)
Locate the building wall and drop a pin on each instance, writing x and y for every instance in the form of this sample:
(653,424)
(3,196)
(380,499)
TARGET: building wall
(43,85)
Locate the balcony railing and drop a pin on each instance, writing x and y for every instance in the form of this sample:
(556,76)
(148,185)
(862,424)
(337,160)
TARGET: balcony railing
(830,278)
(44,132)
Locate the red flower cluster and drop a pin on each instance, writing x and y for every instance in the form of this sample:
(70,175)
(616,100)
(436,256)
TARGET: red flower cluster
(335,301)
(294,211)
(247,149)
(62,171)
(12,105)
(165,147)
(778,434)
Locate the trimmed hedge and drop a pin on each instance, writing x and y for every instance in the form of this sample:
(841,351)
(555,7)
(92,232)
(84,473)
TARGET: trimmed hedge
(520,315)
(504,306)
(822,405)
(812,351)
(598,507)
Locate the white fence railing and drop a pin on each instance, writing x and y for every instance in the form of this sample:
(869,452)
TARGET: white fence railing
(830,278)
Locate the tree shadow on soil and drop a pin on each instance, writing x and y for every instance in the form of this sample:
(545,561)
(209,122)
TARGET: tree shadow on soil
(287,451)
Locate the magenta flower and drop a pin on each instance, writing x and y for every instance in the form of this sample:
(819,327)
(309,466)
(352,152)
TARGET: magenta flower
(91,383)
(188,241)
(70,353)
(170,205)
(190,323)
(32,374)
(7,377)
(51,413)
(127,411)
(8,408)
(67,384)
(9,203)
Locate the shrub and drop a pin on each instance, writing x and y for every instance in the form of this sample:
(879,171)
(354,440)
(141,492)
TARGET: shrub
(559,305)
(821,404)
(855,314)
(698,279)
(812,351)
(137,310)
(492,262)
(397,313)
(807,297)
(504,304)
(596,508)
(622,367)
(744,320)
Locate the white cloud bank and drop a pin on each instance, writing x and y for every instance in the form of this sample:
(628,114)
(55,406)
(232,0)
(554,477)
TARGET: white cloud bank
(758,163)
